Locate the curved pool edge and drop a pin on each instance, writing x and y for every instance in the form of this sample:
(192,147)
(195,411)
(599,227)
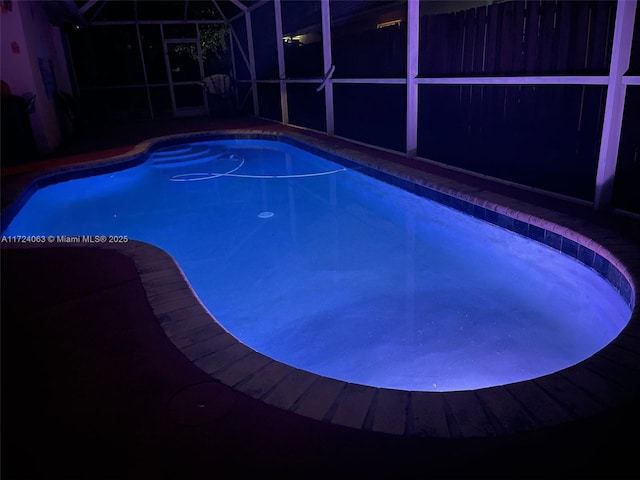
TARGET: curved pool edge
(608,378)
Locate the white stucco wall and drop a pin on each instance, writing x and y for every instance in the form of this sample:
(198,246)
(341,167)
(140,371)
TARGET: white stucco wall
(29,41)
(15,68)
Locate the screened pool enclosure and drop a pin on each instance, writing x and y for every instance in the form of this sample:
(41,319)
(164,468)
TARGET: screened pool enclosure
(543,94)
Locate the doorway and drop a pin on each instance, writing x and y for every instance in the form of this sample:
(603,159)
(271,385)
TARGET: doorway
(185,72)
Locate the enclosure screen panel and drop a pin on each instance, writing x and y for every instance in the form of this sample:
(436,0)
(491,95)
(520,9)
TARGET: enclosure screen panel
(106,56)
(371,113)
(302,32)
(187,96)
(115,104)
(240,46)
(245,99)
(183,61)
(179,31)
(157,10)
(547,137)
(369,39)
(214,46)
(306,106)
(269,101)
(634,68)
(201,10)
(265,47)
(161,102)
(516,38)
(111,11)
(153,50)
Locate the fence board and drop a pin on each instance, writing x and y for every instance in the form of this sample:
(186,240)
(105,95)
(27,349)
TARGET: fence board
(444,47)
(588,139)
(469,40)
(478,51)
(531,38)
(493,44)
(519,18)
(600,42)
(578,34)
(509,42)
(563,32)
(457,26)
(474,122)
(424,45)
(547,38)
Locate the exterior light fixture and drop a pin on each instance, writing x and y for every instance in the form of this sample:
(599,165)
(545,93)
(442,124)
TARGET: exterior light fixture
(392,23)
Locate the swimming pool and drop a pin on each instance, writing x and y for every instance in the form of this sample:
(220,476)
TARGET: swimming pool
(262,227)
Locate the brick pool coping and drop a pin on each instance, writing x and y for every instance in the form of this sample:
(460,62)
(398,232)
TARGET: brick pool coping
(608,378)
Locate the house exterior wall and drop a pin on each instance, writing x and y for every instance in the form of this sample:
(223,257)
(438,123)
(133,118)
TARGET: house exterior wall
(33,63)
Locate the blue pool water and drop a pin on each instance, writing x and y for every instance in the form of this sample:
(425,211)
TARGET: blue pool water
(331,271)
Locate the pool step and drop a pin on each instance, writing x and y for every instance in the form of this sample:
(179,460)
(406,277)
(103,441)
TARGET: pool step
(172,156)
(173,150)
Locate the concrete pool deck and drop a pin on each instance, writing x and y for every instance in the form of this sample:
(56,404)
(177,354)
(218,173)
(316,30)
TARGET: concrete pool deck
(121,357)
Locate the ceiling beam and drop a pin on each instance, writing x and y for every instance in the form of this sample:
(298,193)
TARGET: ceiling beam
(239,4)
(217,7)
(98,10)
(258,5)
(87,6)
